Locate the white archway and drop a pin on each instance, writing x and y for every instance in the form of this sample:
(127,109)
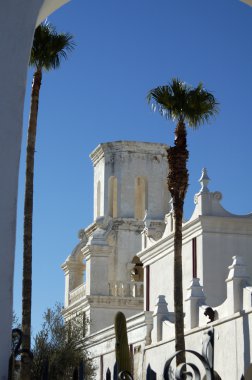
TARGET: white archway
(17,24)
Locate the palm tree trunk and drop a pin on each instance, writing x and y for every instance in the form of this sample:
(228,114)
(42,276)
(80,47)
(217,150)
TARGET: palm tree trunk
(27,238)
(177,184)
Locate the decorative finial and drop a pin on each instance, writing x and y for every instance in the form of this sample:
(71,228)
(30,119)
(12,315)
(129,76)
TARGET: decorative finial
(204,179)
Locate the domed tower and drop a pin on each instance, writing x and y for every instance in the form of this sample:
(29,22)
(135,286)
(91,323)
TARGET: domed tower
(130,186)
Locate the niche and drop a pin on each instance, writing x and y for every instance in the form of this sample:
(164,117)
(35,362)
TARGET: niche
(112,191)
(98,199)
(136,273)
(141,197)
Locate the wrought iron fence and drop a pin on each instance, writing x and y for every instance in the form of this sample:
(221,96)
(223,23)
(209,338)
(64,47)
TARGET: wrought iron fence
(17,350)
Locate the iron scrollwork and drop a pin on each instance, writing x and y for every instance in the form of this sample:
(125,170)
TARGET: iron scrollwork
(190,370)
(181,372)
(125,375)
(17,337)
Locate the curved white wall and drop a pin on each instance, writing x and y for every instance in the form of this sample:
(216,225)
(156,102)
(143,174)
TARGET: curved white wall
(18,19)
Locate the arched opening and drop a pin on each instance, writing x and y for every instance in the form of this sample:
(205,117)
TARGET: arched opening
(141,197)
(113,197)
(98,199)
(137,277)
(137,273)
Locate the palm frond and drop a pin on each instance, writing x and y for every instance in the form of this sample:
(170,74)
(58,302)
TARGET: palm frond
(180,101)
(202,106)
(49,47)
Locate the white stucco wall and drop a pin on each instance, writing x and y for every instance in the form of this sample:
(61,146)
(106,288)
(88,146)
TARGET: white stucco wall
(219,238)
(101,317)
(18,19)
(160,259)
(232,347)
(223,238)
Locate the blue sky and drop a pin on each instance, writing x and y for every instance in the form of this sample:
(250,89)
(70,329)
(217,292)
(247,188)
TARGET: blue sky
(125,48)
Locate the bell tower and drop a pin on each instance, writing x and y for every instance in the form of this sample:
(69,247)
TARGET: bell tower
(130,179)
(130,190)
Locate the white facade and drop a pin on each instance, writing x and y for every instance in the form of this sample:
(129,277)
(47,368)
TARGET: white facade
(18,19)
(127,256)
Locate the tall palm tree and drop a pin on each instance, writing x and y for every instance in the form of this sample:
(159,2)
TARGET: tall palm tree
(47,52)
(191,106)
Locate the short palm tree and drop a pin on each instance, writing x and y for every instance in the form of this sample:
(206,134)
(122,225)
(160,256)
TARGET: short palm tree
(47,51)
(191,106)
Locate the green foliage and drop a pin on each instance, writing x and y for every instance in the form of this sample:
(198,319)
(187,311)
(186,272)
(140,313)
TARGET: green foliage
(49,47)
(122,348)
(179,101)
(59,346)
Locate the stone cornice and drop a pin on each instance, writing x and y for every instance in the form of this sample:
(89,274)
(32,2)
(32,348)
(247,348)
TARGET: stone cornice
(96,250)
(101,234)
(196,227)
(165,245)
(82,304)
(129,224)
(89,230)
(127,147)
(97,154)
(74,266)
(111,302)
(232,225)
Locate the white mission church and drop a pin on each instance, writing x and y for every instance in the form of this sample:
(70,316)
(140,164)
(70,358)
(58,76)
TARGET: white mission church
(124,261)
